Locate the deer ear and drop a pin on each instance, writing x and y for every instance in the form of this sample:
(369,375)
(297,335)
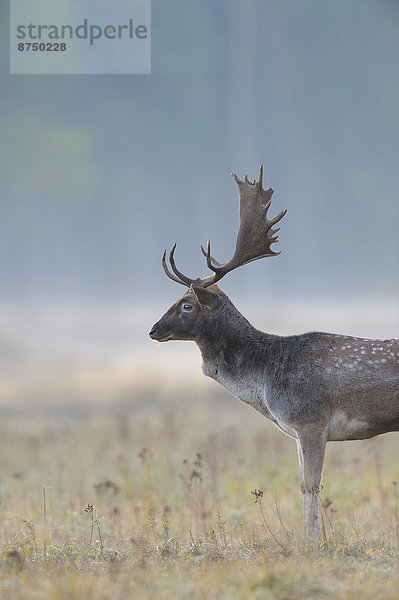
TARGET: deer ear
(206,297)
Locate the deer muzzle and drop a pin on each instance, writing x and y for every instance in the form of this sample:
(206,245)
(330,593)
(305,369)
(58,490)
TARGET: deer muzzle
(159,334)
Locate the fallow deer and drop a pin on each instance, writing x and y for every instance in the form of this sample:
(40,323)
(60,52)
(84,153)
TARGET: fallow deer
(315,387)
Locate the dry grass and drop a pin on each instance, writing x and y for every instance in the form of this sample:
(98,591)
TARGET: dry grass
(153,500)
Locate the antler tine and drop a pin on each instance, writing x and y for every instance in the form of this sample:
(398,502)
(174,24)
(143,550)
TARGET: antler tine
(178,277)
(236,179)
(211,262)
(277,218)
(166,269)
(258,184)
(184,279)
(208,248)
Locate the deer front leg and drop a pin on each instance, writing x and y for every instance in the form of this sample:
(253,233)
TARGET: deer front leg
(311,450)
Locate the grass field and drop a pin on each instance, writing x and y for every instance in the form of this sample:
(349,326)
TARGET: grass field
(154,501)
(118,485)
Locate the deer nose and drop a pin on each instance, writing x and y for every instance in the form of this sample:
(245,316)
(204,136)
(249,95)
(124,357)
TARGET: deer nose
(153,331)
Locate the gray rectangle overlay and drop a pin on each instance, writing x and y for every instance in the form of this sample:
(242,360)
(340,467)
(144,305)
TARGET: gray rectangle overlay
(80,37)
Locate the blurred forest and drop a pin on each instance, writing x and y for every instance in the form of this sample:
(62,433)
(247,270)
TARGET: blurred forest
(100,173)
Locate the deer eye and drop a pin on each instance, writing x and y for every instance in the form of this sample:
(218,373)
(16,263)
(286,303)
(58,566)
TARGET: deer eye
(187,307)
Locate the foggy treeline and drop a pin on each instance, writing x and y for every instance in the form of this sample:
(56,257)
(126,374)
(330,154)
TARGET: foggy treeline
(100,173)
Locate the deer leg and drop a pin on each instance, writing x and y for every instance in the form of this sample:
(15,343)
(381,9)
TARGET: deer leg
(311,450)
(302,482)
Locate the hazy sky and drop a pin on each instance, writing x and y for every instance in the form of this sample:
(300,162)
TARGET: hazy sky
(100,173)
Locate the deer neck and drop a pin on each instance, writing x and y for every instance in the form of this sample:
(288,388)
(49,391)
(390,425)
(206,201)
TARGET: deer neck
(240,357)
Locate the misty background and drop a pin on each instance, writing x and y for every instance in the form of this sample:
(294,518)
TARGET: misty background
(99,174)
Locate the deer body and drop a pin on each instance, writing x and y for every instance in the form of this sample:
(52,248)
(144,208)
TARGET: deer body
(316,387)
(299,379)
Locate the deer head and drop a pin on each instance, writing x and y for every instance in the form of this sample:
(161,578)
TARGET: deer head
(255,236)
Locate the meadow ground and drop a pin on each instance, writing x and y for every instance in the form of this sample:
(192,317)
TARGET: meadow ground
(126,474)
(153,499)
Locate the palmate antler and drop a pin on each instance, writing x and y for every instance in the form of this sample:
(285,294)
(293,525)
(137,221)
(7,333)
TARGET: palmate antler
(254,238)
